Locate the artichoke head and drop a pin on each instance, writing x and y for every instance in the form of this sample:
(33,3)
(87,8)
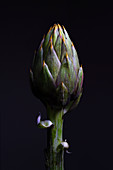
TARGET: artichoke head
(56,76)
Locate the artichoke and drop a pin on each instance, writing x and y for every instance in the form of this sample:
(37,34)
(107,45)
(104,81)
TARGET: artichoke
(56,79)
(56,76)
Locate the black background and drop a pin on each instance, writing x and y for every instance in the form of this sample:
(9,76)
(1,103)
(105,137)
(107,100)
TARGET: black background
(89,128)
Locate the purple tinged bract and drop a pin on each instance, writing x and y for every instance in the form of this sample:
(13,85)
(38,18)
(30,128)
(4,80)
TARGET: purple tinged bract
(56,76)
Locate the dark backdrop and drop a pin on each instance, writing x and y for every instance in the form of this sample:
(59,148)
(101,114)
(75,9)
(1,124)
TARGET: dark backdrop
(89,128)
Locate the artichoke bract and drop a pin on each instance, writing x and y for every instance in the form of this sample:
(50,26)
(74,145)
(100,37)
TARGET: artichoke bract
(56,76)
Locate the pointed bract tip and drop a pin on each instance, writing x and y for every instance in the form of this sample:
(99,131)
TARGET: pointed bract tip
(66,55)
(50,29)
(43,63)
(62,83)
(59,26)
(54,25)
(63,40)
(50,39)
(41,47)
(72,44)
(63,27)
(55,28)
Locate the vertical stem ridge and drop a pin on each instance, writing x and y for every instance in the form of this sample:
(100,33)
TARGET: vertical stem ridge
(55,157)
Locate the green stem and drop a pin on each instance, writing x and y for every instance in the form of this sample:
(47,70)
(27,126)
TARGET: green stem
(55,154)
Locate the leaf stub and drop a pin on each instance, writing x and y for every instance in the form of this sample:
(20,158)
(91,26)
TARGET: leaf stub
(63,145)
(44,123)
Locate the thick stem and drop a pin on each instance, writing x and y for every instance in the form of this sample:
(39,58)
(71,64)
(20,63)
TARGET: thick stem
(55,154)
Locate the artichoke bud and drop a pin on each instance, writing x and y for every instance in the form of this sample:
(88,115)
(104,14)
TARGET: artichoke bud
(56,76)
